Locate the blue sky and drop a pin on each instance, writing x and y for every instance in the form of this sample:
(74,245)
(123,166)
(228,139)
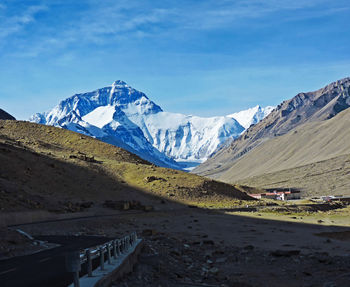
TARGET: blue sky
(209,57)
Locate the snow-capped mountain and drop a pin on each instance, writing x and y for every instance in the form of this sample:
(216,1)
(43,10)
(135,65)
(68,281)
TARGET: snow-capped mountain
(301,110)
(184,138)
(123,116)
(100,114)
(251,116)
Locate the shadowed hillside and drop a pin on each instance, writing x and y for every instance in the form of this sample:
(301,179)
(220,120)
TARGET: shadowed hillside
(44,167)
(48,168)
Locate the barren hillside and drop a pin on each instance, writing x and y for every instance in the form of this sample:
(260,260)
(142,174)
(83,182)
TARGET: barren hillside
(304,108)
(44,167)
(306,144)
(313,157)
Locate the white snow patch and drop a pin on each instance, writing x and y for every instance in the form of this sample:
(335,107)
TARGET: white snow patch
(100,116)
(251,116)
(161,137)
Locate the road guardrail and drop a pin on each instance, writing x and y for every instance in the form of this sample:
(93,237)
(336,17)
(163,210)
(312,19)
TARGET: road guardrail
(105,251)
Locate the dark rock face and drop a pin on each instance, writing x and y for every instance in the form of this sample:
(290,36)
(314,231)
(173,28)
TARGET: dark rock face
(5,116)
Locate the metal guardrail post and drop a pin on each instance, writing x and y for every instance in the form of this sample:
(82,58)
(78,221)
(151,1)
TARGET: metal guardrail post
(122,245)
(118,247)
(76,279)
(73,265)
(102,259)
(108,253)
(89,262)
(115,249)
(74,259)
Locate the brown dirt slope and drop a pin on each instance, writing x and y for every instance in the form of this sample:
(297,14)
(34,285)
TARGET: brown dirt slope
(44,167)
(307,156)
(328,177)
(304,145)
(304,108)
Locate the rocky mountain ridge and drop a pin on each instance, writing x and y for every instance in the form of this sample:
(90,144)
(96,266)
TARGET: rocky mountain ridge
(319,105)
(5,116)
(125,117)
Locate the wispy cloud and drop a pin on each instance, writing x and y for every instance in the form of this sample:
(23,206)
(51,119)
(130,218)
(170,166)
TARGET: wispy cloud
(139,18)
(103,22)
(218,14)
(117,21)
(98,22)
(11,24)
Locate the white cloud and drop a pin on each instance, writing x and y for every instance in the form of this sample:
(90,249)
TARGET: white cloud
(117,20)
(100,22)
(217,14)
(118,17)
(16,23)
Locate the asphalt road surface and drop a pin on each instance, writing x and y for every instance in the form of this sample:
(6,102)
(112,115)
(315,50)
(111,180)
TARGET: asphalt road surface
(46,268)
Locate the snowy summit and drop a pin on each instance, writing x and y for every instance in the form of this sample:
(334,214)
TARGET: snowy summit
(125,117)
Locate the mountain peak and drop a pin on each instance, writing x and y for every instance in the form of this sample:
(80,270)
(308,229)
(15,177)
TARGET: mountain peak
(119,83)
(121,115)
(345,80)
(251,116)
(304,108)
(5,116)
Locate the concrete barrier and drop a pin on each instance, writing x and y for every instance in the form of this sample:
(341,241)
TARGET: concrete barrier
(125,254)
(126,266)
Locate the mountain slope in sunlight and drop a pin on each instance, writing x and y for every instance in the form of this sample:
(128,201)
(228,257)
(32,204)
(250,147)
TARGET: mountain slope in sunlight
(310,107)
(44,167)
(306,144)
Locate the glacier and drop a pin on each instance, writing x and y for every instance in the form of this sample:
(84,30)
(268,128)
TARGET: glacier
(251,116)
(125,117)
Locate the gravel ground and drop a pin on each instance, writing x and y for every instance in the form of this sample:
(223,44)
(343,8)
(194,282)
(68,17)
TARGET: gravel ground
(171,261)
(192,247)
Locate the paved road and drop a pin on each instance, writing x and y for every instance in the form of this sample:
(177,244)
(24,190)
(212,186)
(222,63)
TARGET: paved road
(46,268)
(87,217)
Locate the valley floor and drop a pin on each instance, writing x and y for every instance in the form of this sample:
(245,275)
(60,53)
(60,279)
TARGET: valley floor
(328,177)
(198,232)
(197,247)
